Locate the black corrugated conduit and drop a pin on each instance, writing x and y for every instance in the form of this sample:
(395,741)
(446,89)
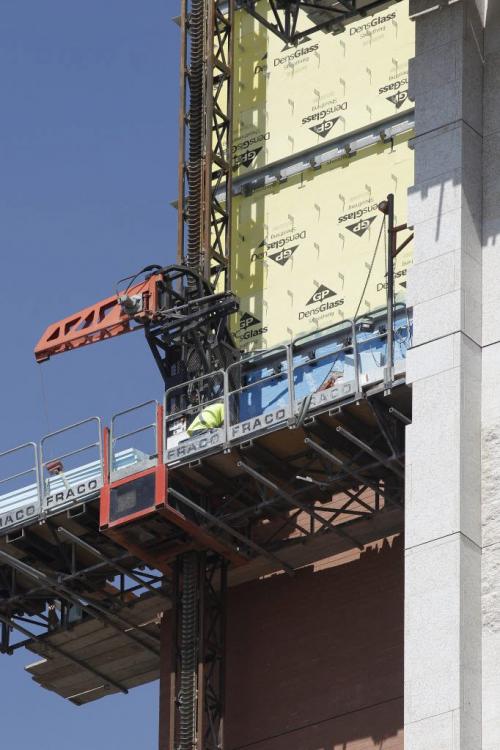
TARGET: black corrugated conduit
(197,22)
(189,652)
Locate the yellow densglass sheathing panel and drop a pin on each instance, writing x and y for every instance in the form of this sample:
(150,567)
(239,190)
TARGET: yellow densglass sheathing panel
(289,99)
(302,250)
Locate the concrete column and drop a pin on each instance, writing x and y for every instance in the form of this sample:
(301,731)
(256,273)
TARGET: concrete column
(443,494)
(490,383)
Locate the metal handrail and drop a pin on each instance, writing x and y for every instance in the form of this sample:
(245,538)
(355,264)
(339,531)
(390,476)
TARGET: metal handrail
(130,410)
(321,332)
(76,451)
(184,386)
(114,437)
(281,352)
(135,432)
(379,313)
(194,409)
(15,476)
(73,452)
(35,469)
(319,338)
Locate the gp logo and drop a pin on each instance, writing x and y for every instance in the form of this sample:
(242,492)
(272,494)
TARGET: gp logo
(284,255)
(322,293)
(398,99)
(361,226)
(323,128)
(247,320)
(246,159)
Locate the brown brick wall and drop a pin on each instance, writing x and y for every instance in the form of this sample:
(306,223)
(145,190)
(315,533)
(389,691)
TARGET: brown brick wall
(316,662)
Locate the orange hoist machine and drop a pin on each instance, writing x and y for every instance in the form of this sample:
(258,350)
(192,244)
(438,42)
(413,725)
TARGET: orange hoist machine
(185,324)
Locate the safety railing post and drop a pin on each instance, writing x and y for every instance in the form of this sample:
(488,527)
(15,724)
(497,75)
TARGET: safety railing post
(355,356)
(225,387)
(291,384)
(391,237)
(106,455)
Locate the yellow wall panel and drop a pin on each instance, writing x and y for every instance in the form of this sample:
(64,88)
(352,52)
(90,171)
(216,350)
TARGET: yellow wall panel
(289,99)
(302,249)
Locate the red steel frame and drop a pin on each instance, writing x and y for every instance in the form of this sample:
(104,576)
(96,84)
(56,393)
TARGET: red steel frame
(199,538)
(161,480)
(98,322)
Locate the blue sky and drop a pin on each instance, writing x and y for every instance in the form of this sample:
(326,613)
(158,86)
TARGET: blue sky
(88,154)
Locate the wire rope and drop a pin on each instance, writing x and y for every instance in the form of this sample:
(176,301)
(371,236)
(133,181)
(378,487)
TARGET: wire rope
(45,405)
(372,263)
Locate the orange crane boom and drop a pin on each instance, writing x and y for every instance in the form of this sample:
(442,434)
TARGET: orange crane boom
(113,316)
(184,321)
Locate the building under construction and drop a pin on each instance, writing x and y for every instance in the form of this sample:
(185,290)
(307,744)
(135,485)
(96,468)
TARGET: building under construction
(301,541)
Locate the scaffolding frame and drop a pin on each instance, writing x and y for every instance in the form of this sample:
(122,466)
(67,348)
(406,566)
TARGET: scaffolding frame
(344,473)
(198,661)
(328,16)
(210,229)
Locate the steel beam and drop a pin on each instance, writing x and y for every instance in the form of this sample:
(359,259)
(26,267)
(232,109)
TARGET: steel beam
(97,553)
(399,415)
(294,503)
(332,16)
(334,460)
(87,605)
(371,451)
(249,543)
(61,652)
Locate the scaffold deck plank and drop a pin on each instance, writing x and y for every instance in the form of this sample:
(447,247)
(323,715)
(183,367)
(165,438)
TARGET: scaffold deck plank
(102,649)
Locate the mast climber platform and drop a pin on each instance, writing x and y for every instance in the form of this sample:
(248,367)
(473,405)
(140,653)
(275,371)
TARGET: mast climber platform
(308,462)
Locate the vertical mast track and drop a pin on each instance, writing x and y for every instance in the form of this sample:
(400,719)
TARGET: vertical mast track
(205,144)
(204,211)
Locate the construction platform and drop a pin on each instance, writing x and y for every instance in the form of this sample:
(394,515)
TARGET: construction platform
(307,464)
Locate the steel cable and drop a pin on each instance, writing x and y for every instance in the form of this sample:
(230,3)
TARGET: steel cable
(372,263)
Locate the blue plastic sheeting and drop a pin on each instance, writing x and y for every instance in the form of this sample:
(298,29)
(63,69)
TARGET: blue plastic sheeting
(372,344)
(263,386)
(319,358)
(318,361)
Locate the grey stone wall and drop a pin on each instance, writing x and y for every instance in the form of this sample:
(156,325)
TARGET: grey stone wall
(443,494)
(491,382)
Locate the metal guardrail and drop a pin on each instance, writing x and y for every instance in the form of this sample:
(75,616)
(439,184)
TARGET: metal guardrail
(136,459)
(371,336)
(260,393)
(19,502)
(283,385)
(62,486)
(183,408)
(324,367)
